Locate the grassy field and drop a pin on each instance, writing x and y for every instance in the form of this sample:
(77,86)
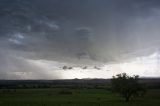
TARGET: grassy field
(72,97)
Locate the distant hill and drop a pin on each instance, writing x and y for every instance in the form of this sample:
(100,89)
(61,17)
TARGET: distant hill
(69,83)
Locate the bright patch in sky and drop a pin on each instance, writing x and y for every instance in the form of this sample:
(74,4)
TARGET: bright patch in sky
(146,66)
(143,66)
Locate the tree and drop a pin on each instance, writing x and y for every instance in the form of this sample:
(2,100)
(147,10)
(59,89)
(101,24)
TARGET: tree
(127,86)
(85,67)
(70,68)
(65,67)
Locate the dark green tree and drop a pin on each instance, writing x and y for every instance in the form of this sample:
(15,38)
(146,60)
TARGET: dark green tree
(70,68)
(64,67)
(127,86)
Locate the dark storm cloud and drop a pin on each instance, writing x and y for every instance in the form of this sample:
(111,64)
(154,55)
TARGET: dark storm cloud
(78,31)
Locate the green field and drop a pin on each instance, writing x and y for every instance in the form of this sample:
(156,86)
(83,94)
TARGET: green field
(75,97)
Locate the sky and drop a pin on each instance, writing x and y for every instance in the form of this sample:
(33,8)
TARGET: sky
(66,39)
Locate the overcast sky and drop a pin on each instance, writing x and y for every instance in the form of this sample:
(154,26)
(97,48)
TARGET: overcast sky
(39,37)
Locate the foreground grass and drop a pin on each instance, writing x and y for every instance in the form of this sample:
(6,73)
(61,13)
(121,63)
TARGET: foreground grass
(79,97)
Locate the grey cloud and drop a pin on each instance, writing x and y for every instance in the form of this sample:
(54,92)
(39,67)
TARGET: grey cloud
(79,31)
(52,29)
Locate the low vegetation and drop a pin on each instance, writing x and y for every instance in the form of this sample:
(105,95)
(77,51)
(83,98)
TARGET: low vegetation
(79,97)
(95,92)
